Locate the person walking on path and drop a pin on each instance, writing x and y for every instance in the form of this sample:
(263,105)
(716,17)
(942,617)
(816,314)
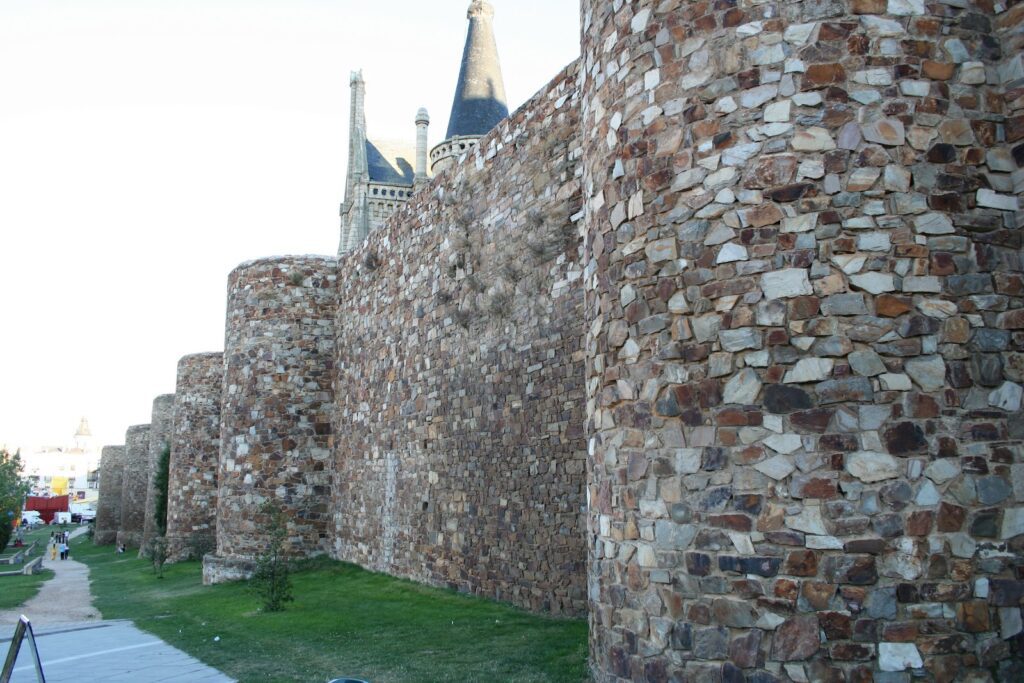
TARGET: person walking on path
(63,599)
(53,548)
(63,550)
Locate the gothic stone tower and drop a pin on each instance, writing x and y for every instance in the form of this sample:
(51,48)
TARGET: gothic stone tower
(805,305)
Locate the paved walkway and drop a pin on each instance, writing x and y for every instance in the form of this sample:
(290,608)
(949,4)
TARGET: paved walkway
(109,651)
(75,644)
(63,599)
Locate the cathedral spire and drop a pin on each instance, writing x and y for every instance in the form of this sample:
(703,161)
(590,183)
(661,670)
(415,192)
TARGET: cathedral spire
(480,95)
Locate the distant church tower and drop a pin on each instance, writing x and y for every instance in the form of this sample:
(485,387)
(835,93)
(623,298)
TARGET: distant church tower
(382,175)
(479,102)
(83,436)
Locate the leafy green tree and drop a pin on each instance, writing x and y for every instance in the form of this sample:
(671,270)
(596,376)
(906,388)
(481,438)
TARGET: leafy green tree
(13,489)
(161,480)
(271,580)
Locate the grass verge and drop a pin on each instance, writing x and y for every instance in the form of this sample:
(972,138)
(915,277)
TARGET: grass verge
(344,622)
(16,590)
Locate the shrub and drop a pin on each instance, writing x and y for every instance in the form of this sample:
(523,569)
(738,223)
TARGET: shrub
(272,580)
(156,551)
(200,545)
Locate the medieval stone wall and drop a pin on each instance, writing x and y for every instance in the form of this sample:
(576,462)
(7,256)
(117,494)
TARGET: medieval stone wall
(108,505)
(460,451)
(803,263)
(134,483)
(161,423)
(278,398)
(195,453)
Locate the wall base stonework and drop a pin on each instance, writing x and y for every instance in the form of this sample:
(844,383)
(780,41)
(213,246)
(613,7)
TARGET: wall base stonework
(223,569)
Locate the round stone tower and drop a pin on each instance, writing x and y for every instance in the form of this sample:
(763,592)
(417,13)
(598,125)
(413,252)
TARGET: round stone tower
(195,453)
(134,485)
(108,506)
(276,438)
(159,439)
(806,315)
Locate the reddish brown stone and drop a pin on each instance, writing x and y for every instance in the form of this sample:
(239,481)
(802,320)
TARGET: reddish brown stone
(836,625)
(973,616)
(951,517)
(802,563)
(919,523)
(796,639)
(786,589)
(938,71)
(868,6)
(900,632)
(816,420)
(851,652)
(818,75)
(735,522)
(818,595)
(803,307)
(891,306)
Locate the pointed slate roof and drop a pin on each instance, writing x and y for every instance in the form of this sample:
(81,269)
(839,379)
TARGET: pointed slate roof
(480,95)
(390,162)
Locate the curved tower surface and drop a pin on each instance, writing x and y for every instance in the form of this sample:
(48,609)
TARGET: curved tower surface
(805,309)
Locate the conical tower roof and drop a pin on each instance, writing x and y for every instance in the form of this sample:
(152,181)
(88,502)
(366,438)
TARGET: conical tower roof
(480,95)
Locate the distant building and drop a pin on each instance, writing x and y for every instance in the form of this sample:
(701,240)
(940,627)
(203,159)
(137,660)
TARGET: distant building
(382,174)
(60,470)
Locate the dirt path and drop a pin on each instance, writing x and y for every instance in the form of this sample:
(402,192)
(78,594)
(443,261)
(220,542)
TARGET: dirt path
(64,598)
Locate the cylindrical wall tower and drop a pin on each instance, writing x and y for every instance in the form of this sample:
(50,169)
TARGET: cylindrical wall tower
(108,507)
(195,452)
(806,346)
(159,439)
(134,485)
(276,438)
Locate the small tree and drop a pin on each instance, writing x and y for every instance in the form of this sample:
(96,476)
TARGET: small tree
(157,552)
(13,490)
(271,580)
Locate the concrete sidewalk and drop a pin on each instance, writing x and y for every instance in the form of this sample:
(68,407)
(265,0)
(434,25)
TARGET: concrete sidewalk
(107,651)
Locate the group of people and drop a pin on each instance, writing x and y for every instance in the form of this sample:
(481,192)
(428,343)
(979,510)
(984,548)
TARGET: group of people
(60,541)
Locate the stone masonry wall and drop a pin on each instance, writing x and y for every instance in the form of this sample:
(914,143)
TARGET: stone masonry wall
(278,399)
(134,483)
(159,438)
(460,452)
(195,453)
(805,309)
(108,505)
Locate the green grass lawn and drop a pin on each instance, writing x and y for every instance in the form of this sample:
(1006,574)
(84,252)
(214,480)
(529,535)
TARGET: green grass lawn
(15,590)
(344,622)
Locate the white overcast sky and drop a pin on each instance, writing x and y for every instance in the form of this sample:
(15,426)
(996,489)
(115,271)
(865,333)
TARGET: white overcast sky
(149,146)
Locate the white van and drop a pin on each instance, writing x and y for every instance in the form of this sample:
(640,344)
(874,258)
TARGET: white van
(32,516)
